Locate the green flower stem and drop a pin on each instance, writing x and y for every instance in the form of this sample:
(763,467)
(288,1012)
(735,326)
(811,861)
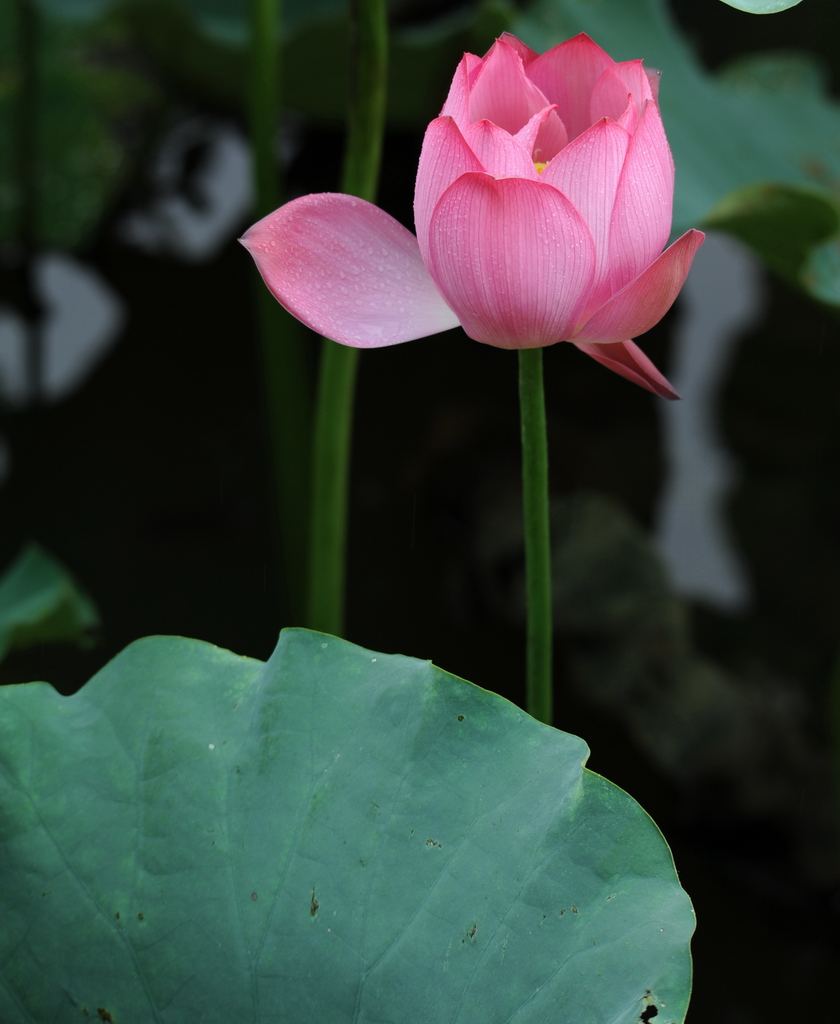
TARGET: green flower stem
(537,539)
(287,387)
(29,38)
(336,387)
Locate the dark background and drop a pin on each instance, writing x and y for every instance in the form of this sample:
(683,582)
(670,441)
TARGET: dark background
(151,484)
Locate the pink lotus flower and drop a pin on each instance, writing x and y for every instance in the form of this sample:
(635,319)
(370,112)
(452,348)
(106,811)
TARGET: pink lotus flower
(542,205)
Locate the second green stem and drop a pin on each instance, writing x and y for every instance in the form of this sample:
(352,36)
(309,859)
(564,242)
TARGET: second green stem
(537,534)
(337,381)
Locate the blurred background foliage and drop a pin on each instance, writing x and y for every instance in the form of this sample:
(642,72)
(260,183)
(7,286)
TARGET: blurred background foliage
(141,462)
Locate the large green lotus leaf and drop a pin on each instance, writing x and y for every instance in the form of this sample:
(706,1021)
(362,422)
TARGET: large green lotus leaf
(768,121)
(333,836)
(40,602)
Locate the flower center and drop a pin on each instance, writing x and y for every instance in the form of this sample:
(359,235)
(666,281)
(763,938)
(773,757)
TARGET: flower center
(540,166)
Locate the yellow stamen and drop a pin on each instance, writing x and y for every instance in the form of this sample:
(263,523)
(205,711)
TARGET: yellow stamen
(540,167)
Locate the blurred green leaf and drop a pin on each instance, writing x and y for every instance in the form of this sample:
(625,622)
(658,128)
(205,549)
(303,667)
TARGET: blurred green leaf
(226,20)
(82,93)
(229,21)
(765,216)
(76,10)
(40,602)
(314,63)
(336,836)
(762,6)
(767,122)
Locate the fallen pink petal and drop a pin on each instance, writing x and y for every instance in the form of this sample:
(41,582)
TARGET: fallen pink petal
(543,203)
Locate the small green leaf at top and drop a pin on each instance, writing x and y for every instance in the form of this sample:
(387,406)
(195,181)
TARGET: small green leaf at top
(335,835)
(762,6)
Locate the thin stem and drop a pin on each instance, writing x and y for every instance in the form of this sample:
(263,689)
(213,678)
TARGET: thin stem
(287,388)
(29,33)
(331,471)
(366,110)
(537,538)
(339,364)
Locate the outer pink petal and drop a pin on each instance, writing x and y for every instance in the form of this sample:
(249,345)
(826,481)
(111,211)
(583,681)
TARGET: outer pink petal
(500,153)
(502,93)
(628,360)
(641,219)
(587,171)
(643,302)
(513,258)
(566,75)
(347,270)
(444,157)
(457,104)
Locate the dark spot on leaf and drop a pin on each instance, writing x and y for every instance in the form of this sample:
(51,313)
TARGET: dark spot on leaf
(563,911)
(253,896)
(471,932)
(650,1011)
(103,1013)
(117,915)
(140,917)
(574,910)
(460,718)
(434,842)
(314,904)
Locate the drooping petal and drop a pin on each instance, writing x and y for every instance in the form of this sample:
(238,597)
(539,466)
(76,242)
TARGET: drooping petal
(543,136)
(500,153)
(444,157)
(628,360)
(643,302)
(457,103)
(347,270)
(566,75)
(513,258)
(641,220)
(502,93)
(587,172)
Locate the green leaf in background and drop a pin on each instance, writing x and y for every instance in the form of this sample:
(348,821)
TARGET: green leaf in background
(761,215)
(333,836)
(767,122)
(76,10)
(228,20)
(762,6)
(40,602)
(83,92)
